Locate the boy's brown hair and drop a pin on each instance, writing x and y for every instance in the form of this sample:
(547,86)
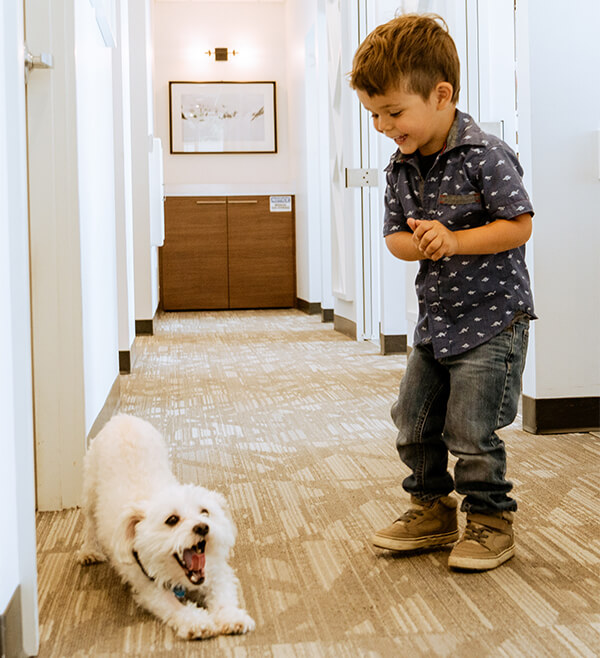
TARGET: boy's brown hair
(413,52)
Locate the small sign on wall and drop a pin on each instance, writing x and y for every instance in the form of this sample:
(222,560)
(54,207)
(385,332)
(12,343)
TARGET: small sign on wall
(280,203)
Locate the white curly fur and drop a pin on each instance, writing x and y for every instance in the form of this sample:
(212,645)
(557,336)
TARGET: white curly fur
(129,494)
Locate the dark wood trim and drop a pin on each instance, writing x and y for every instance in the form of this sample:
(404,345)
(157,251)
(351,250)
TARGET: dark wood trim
(11,628)
(124,362)
(310,308)
(326,315)
(144,327)
(127,359)
(561,415)
(110,406)
(393,344)
(344,326)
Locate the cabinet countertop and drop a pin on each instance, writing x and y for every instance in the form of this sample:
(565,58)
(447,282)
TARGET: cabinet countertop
(246,189)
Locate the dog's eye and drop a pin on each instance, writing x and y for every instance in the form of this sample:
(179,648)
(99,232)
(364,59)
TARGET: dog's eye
(204,511)
(172,520)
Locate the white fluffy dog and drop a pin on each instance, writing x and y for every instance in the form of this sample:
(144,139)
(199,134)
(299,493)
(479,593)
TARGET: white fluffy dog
(169,541)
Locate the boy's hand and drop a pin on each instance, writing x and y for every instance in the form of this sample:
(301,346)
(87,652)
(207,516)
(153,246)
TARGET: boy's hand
(432,238)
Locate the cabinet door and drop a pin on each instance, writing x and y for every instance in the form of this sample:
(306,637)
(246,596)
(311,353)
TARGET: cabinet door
(194,256)
(262,271)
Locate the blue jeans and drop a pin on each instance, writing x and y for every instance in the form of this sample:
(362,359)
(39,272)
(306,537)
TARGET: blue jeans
(455,405)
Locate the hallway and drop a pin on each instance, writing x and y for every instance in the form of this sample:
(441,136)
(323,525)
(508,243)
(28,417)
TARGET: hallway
(290,420)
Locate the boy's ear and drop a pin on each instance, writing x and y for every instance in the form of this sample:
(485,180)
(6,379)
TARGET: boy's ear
(444,92)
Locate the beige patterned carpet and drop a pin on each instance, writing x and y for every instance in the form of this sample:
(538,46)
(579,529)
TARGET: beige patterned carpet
(290,420)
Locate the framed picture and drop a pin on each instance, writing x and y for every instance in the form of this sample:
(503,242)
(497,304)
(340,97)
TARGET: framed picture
(223,117)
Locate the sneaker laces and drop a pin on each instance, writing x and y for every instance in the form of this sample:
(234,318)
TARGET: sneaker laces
(410,515)
(475,532)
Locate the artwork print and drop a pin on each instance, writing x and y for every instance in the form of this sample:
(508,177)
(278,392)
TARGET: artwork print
(223,117)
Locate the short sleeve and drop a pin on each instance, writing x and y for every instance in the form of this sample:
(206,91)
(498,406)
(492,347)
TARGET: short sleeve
(393,216)
(500,179)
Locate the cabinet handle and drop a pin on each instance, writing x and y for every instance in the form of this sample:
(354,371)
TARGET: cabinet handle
(211,203)
(248,201)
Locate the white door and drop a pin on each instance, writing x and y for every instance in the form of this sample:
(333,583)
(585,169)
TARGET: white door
(17,488)
(55,245)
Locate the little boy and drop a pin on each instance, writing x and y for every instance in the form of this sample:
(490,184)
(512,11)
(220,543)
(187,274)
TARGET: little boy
(455,202)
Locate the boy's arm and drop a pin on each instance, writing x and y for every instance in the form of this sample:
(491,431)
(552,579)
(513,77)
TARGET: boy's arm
(432,240)
(401,245)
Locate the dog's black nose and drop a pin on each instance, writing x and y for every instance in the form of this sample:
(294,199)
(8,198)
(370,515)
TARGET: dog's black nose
(201,529)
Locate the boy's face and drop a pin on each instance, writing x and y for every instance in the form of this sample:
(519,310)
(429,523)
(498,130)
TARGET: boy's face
(412,122)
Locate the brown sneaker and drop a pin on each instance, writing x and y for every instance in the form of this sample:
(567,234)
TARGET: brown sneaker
(423,525)
(487,542)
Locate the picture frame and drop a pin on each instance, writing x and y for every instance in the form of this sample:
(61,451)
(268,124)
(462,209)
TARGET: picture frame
(222,117)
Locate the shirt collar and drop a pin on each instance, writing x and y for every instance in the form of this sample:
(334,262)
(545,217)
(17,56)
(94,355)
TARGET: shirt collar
(463,132)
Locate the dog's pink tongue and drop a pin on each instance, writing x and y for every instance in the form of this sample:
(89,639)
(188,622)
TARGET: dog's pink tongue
(194,561)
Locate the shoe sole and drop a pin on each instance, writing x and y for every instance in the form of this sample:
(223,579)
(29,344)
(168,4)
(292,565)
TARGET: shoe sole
(480,564)
(430,541)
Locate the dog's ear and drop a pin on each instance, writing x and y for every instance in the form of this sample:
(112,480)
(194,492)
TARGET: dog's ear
(222,501)
(125,532)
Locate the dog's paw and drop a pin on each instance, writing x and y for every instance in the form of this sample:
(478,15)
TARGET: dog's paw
(192,623)
(233,621)
(87,556)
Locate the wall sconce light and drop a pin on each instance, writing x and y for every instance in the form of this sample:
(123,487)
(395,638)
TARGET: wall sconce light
(222,54)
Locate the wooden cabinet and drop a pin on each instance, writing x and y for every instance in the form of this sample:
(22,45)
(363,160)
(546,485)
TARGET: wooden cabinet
(261,254)
(227,252)
(194,256)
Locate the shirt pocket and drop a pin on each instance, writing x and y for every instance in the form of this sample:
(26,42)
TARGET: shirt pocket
(465,199)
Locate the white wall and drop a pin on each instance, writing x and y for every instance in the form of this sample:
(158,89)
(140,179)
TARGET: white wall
(559,120)
(304,81)
(123,179)
(96,178)
(183,31)
(307,119)
(142,130)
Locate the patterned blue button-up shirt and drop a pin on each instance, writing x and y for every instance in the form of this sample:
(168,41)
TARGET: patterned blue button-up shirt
(464,301)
